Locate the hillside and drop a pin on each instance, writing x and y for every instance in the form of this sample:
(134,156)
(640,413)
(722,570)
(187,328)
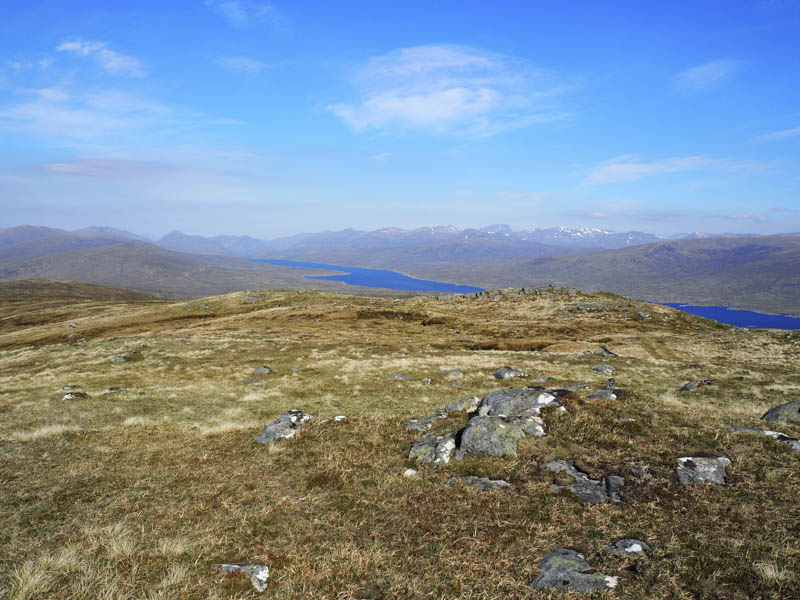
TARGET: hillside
(131,467)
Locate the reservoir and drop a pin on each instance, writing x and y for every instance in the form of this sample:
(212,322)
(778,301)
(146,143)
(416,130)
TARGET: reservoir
(377,278)
(739,318)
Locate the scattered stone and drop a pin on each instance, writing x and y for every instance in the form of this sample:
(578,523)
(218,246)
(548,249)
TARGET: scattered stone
(73,325)
(117,390)
(540,379)
(627,420)
(603,351)
(284,427)
(339,418)
(409,472)
(397,377)
(451,372)
(698,469)
(793,443)
(585,489)
(603,395)
(130,356)
(641,471)
(433,448)
(425,423)
(457,383)
(74,396)
(508,373)
(482,483)
(491,436)
(258,574)
(263,370)
(299,369)
(426,381)
(604,369)
(693,385)
(68,388)
(789,412)
(567,569)
(627,547)
(642,314)
(254,382)
(466,405)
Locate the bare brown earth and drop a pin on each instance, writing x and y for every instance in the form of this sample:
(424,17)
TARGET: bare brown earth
(137,494)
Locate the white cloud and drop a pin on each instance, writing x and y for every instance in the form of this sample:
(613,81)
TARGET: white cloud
(453,89)
(242,65)
(628,168)
(781,135)
(245,12)
(382,157)
(108,60)
(707,76)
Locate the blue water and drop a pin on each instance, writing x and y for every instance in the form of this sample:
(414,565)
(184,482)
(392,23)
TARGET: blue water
(377,278)
(739,318)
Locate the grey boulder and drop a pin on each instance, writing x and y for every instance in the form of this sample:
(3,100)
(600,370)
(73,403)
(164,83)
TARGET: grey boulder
(698,469)
(603,351)
(789,412)
(567,569)
(258,574)
(424,423)
(433,449)
(263,370)
(604,369)
(627,547)
(491,436)
(466,405)
(284,427)
(511,402)
(508,373)
(585,489)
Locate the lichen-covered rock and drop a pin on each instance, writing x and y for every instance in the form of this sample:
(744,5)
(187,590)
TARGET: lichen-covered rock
(482,483)
(433,449)
(263,370)
(467,405)
(789,412)
(604,369)
(567,569)
(284,427)
(491,436)
(512,402)
(508,373)
(258,574)
(584,488)
(424,423)
(627,547)
(793,443)
(698,469)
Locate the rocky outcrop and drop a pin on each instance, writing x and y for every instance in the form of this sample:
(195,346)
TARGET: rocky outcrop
(491,436)
(789,412)
(585,489)
(466,405)
(433,449)
(284,427)
(424,423)
(566,569)
(698,469)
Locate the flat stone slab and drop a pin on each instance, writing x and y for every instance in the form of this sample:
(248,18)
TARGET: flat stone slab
(789,412)
(426,422)
(263,370)
(433,449)
(508,373)
(793,443)
(566,569)
(258,574)
(284,427)
(585,489)
(699,469)
(482,483)
(627,547)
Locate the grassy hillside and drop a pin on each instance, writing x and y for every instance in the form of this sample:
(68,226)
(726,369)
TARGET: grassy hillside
(136,494)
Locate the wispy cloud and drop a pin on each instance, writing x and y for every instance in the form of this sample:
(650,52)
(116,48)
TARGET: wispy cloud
(242,65)
(781,135)
(749,216)
(242,13)
(108,59)
(382,157)
(447,89)
(628,168)
(707,76)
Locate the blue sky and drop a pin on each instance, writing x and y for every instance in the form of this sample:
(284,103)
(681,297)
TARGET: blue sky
(272,118)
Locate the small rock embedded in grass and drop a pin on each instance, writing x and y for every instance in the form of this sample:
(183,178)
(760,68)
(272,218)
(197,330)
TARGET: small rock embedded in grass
(603,395)
(131,356)
(433,449)
(481,483)
(263,370)
(566,569)
(254,382)
(397,377)
(424,423)
(793,443)
(75,396)
(698,469)
(789,412)
(409,472)
(585,489)
(693,385)
(603,351)
(284,427)
(339,418)
(258,574)
(117,390)
(68,388)
(508,373)
(466,405)
(627,547)
(604,369)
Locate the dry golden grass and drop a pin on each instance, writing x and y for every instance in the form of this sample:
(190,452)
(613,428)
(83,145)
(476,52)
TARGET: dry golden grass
(135,495)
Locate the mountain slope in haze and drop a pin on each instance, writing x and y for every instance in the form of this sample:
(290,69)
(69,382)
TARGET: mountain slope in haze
(192,244)
(759,273)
